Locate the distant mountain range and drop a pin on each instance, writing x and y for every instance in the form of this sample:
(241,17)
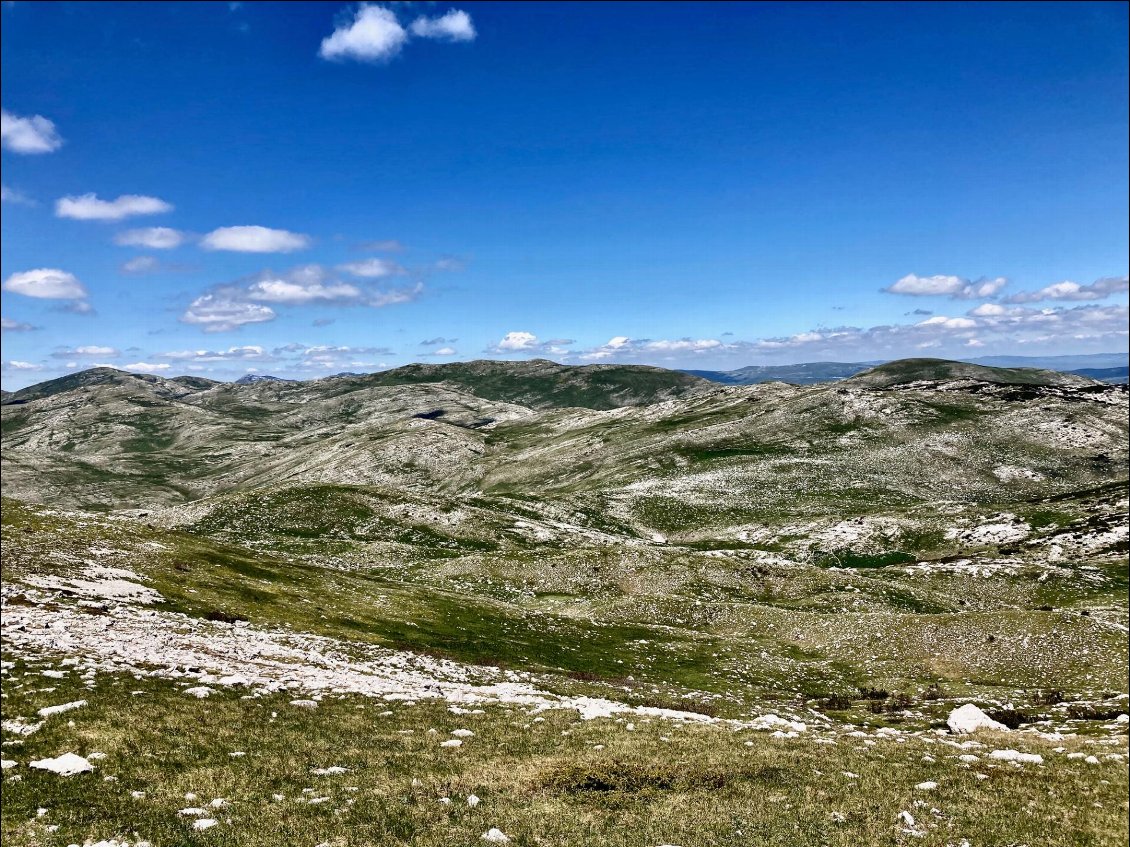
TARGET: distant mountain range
(1104,367)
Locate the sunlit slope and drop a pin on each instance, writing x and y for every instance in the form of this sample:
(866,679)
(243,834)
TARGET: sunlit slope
(885,438)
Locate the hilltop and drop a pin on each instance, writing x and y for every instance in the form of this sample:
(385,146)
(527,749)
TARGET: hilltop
(904,372)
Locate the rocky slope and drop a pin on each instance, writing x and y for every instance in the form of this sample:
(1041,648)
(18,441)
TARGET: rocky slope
(922,523)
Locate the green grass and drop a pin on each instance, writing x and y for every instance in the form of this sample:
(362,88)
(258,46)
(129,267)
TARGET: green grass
(541,782)
(851,559)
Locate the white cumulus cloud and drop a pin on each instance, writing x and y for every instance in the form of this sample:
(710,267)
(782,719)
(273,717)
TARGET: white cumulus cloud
(297,292)
(518,341)
(454,25)
(254,239)
(939,285)
(36,134)
(372,35)
(216,313)
(527,342)
(153,237)
(87,207)
(305,284)
(46,283)
(146,367)
(1100,289)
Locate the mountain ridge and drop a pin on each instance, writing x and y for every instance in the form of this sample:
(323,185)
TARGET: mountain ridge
(105,437)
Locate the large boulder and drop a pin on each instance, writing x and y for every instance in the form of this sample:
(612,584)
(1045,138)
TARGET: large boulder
(66,765)
(969,718)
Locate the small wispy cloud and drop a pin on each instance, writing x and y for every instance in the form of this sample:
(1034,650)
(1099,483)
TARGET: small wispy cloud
(154,238)
(32,135)
(11,195)
(141,265)
(76,307)
(454,25)
(20,365)
(388,245)
(11,325)
(372,268)
(449,263)
(88,207)
(88,351)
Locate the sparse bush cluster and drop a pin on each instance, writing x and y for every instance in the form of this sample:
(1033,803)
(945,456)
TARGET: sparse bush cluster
(1011,718)
(1048,698)
(898,702)
(1087,712)
(223,617)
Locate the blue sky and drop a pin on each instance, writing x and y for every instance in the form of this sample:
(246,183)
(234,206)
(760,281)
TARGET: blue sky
(301,189)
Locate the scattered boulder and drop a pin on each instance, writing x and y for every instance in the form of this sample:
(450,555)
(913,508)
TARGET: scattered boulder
(66,765)
(1017,756)
(774,722)
(47,711)
(968,718)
